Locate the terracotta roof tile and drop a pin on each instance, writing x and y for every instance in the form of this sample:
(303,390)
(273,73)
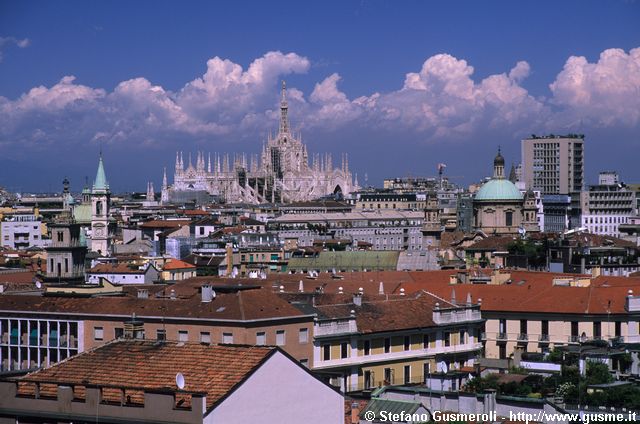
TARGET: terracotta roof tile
(178,264)
(149,365)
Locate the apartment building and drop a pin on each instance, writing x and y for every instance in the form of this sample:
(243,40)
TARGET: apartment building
(40,330)
(607,205)
(149,382)
(367,341)
(402,201)
(537,312)
(384,229)
(21,230)
(553,164)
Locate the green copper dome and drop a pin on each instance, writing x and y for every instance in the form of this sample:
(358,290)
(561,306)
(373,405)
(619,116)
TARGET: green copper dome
(498,189)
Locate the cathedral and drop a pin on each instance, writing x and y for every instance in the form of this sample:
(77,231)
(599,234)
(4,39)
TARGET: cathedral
(282,175)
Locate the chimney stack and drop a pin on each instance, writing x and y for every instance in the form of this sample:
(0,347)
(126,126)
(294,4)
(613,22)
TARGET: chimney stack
(207,293)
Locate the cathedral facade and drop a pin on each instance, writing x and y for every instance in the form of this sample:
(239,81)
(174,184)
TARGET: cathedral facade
(281,174)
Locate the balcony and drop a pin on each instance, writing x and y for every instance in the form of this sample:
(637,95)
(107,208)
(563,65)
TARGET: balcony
(544,338)
(573,339)
(399,355)
(335,328)
(523,338)
(455,316)
(502,337)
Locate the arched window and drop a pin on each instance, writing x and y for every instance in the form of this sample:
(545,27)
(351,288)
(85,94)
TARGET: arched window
(99,207)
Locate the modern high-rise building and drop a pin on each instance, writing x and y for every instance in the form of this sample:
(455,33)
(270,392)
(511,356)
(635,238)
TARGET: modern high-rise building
(553,164)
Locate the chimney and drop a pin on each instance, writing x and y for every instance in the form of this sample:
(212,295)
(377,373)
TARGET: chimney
(207,293)
(143,294)
(281,289)
(340,290)
(172,295)
(301,287)
(381,288)
(401,292)
(357,299)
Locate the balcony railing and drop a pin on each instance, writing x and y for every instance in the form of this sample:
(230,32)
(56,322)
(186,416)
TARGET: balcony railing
(523,337)
(544,338)
(453,316)
(502,336)
(329,328)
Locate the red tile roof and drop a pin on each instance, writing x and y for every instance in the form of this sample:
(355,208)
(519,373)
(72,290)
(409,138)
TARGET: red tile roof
(164,224)
(177,264)
(244,305)
(148,365)
(117,268)
(388,313)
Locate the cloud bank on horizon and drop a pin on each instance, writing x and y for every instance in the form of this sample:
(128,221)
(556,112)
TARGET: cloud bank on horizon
(439,102)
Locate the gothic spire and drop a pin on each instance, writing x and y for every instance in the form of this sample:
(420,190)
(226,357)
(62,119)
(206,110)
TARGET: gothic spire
(284,108)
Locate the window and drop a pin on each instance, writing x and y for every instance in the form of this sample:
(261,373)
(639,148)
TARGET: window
(303,335)
(545,328)
(462,336)
(66,264)
(574,329)
(344,350)
(367,347)
(280,337)
(618,328)
(60,236)
(387,345)
(119,333)
(183,336)
(98,333)
(201,231)
(407,343)
(205,337)
(509,218)
(407,374)
(447,339)
(161,335)
(388,375)
(261,338)
(368,380)
(326,352)
(227,338)
(425,341)
(597,329)
(523,326)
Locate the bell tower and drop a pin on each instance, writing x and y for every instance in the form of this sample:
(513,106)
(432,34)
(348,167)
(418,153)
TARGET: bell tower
(100,199)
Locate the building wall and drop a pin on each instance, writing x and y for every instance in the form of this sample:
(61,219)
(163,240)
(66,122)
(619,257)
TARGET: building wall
(553,165)
(353,367)
(559,331)
(240,335)
(21,232)
(297,397)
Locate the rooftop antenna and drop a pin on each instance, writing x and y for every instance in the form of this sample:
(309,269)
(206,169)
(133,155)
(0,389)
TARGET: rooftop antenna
(180,380)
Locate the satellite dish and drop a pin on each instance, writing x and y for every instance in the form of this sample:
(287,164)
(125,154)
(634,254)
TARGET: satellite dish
(443,367)
(180,381)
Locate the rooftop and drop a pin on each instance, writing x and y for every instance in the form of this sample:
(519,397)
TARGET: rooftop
(214,370)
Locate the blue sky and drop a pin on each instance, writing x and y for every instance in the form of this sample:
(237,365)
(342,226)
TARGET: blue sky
(398,85)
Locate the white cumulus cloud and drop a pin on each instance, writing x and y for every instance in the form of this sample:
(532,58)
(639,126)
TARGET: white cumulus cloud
(603,93)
